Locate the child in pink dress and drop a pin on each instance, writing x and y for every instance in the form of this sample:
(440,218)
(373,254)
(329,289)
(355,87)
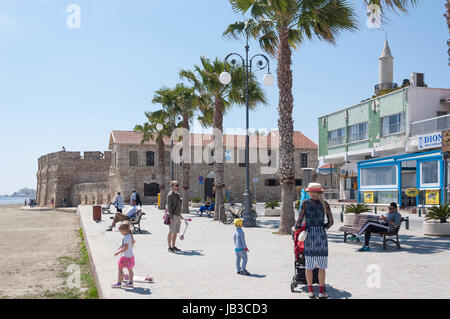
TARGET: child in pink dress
(127,258)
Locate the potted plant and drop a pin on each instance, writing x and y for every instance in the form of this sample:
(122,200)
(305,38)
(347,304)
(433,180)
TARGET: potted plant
(352,210)
(271,208)
(196,202)
(435,223)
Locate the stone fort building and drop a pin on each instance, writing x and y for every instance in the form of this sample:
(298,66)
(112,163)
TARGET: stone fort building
(96,177)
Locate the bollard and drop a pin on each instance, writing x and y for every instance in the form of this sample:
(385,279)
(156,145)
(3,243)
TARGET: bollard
(376,210)
(420,211)
(407,222)
(342,213)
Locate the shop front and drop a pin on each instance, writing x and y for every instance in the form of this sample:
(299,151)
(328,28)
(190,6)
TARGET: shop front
(409,180)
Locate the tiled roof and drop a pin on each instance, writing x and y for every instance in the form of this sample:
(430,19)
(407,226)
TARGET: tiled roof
(133,138)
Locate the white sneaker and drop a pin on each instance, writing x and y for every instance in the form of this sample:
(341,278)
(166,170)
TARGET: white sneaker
(323,296)
(311,295)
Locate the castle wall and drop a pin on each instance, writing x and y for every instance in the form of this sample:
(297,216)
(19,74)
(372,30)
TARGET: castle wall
(58,172)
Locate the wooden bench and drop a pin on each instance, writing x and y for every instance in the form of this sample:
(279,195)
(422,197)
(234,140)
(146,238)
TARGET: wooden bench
(136,222)
(361,220)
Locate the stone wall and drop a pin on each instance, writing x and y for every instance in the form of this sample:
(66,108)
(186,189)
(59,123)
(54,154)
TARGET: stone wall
(125,178)
(59,172)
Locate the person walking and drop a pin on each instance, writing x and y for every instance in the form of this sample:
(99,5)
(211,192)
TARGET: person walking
(118,202)
(316,243)
(133,196)
(174,210)
(138,200)
(240,248)
(386,223)
(127,258)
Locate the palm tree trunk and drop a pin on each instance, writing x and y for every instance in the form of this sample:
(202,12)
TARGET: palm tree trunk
(162,173)
(447,16)
(186,167)
(218,166)
(285,127)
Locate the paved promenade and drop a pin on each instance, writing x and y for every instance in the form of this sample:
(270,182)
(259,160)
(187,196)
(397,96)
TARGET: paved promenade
(205,267)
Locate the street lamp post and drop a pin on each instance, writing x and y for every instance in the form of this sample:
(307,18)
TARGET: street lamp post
(248,215)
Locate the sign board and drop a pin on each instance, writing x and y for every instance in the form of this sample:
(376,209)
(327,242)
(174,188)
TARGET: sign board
(412,192)
(255,180)
(445,141)
(201,179)
(368,197)
(432,197)
(432,140)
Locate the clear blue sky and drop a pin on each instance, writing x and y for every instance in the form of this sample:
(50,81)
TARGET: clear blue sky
(71,87)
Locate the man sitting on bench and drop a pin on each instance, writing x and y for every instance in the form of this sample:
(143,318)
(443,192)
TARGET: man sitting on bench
(118,217)
(385,224)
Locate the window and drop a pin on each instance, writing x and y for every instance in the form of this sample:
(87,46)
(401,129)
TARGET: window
(393,124)
(429,174)
(298,182)
(150,158)
(133,158)
(151,189)
(303,160)
(336,137)
(272,182)
(379,177)
(357,132)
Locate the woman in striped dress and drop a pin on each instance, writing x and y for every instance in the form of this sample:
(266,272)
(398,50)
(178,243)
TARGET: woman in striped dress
(316,243)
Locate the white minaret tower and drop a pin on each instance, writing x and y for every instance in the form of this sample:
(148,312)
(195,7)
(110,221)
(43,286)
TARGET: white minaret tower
(386,68)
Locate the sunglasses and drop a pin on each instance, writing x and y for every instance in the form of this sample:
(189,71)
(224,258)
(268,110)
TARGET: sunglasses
(176,185)
(391,208)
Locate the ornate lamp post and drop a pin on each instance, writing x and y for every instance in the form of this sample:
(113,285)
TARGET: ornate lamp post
(249,214)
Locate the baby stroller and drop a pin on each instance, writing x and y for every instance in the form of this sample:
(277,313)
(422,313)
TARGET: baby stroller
(300,276)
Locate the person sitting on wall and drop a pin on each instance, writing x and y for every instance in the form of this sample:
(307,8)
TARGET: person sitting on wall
(118,217)
(386,223)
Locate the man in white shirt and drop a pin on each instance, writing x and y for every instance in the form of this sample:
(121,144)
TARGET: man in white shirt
(118,217)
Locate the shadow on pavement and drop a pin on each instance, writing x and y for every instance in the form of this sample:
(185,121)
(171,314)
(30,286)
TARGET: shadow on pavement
(271,223)
(409,243)
(333,293)
(139,290)
(143,232)
(191,253)
(256,276)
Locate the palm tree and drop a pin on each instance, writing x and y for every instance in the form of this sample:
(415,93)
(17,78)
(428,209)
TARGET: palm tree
(215,99)
(186,105)
(279,26)
(150,131)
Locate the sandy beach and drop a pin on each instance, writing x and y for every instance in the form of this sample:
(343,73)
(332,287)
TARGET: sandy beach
(31,243)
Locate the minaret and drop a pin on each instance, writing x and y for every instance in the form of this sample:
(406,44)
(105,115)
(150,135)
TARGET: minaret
(386,69)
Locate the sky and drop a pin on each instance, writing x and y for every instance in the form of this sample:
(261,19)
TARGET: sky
(69,84)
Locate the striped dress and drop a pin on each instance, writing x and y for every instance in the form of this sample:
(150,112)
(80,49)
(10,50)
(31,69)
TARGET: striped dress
(316,243)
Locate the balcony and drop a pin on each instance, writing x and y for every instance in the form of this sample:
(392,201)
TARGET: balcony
(434,124)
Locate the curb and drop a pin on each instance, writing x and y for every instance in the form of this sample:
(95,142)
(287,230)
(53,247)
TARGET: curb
(91,261)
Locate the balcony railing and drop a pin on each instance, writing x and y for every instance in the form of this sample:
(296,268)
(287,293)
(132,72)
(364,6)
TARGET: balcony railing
(431,125)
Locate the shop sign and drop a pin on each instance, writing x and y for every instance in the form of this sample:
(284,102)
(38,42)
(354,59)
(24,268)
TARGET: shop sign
(368,197)
(432,140)
(412,192)
(432,197)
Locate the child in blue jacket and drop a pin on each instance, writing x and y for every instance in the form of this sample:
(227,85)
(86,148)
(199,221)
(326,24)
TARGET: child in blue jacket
(240,247)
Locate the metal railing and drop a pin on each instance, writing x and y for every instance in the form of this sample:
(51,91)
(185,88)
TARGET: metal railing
(434,124)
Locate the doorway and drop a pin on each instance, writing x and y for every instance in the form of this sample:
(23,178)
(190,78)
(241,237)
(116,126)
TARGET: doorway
(209,187)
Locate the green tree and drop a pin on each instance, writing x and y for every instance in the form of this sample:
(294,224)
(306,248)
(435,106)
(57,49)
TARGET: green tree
(280,26)
(215,99)
(150,130)
(186,105)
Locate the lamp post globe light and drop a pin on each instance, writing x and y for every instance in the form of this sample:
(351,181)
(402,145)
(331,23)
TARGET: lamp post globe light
(249,215)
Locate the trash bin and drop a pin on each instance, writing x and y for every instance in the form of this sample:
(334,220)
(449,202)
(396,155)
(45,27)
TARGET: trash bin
(97,213)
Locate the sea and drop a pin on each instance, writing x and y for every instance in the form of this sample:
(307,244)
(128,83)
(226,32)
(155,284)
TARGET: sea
(12,200)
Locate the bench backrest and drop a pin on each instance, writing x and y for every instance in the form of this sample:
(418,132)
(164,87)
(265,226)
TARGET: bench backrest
(136,218)
(362,219)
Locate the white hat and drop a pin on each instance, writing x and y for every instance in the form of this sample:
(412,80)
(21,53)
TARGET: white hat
(314,187)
